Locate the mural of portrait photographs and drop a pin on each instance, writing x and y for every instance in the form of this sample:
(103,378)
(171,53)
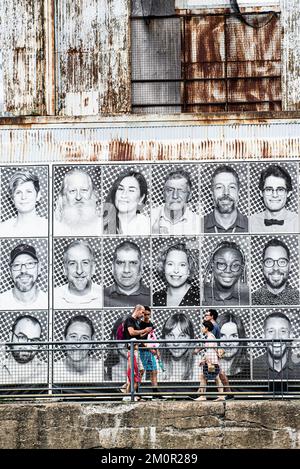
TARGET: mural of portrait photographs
(94,240)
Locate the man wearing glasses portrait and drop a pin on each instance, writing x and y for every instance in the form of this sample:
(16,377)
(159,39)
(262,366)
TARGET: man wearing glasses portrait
(225,282)
(276,268)
(24,271)
(174,217)
(275,188)
(225,217)
(23,364)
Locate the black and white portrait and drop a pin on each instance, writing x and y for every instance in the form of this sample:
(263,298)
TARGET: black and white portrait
(177,361)
(24,274)
(24,361)
(77,204)
(24,201)
(274,360)
(126,194)
(175,279)
(77,361)
(234,325)
(274,270)
(224,198)
(126,274)
(274,198)
(77,274)
(175,200)
(225,270)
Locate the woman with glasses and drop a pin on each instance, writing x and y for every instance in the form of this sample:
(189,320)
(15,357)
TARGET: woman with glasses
(25,194)
(225,277)
(177,267)
(123,210)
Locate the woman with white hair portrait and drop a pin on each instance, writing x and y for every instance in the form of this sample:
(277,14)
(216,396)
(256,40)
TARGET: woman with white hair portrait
(123,210)
(25,193)
(177,267)
(225,277)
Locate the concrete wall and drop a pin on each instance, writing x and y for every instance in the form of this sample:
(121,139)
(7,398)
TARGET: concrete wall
(243,424)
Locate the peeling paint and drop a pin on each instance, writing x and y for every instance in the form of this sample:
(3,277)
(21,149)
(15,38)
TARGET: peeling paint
(92,57)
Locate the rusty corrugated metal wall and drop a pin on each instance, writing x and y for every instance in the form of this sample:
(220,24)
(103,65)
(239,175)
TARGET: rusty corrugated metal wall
(22,46)
(93,74)
(291,54)
(134,139)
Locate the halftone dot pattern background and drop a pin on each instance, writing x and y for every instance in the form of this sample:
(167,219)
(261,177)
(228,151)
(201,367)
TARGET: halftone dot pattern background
(59,244)
(7,319)
(112,172)
(258,317)
(60,171)
(210,243)
(41,247)
(257,245)
(8,209)
(159,174)
(109,246)
(160,243)
(60,321)
(206,172)
(256,202)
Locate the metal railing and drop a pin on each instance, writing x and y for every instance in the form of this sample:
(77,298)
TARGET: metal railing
(176,369)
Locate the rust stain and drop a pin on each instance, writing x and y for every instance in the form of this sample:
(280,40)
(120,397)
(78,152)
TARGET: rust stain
(230,66)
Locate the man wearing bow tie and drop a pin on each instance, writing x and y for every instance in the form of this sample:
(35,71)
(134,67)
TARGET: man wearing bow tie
(275,188)
(276,268)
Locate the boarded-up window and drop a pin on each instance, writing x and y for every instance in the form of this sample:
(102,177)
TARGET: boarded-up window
(205,63)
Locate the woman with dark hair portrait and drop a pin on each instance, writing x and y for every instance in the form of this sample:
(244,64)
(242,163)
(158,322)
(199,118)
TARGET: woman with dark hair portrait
(177,267)
(124,205)
(234,363)
(225,277)
(115,363)
(24,190)
(177,357)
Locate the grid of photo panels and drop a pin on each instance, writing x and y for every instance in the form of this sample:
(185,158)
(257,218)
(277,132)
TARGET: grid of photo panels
(81,245)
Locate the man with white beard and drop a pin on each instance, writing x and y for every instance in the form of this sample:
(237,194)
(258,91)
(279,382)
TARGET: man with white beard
(225,218)
(24,270)
(76,211)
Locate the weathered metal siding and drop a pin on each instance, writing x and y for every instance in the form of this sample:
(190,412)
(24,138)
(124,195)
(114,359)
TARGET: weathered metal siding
(239,67)
(92,47)
(128,140)
(291,54)
(22,46)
